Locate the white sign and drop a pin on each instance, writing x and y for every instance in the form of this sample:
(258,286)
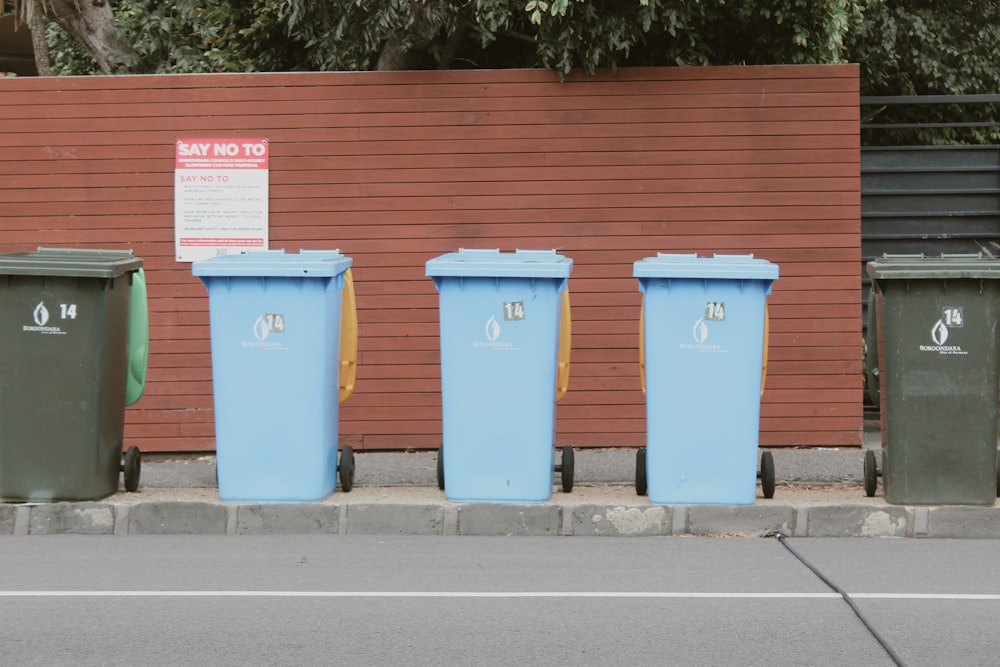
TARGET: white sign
(220,197)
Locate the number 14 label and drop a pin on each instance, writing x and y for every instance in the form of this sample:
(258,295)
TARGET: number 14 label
(513,310)
(715,311)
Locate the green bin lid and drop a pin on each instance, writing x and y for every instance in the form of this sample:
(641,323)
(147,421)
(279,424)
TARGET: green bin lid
(69,262)
(275,263)
(909,267)
(727,267)
(491,263)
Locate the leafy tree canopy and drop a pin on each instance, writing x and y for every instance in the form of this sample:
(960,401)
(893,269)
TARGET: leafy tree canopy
(294,35)
(905,47)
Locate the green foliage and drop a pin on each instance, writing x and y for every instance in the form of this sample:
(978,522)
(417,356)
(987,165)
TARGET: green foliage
(927,47)
(269,35)
(585,34)
(66,56)
(350,34)
(188,36)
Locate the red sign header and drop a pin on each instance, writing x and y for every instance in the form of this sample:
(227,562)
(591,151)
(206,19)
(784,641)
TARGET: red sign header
(221,154)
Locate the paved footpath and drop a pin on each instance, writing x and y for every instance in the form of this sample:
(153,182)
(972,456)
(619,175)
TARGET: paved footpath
(819,494)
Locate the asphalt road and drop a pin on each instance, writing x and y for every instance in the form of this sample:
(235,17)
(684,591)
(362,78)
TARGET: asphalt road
(376,600)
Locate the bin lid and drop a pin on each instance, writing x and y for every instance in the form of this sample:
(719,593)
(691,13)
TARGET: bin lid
(491,263)
(729,267)
(275,263)
(943,267)
(69,262)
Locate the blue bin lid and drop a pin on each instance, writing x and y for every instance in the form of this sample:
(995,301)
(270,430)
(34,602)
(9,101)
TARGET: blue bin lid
(495,264)
(275,263)
(727,267)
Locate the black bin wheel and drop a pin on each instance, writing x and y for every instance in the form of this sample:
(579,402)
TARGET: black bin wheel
(132,468)
(640,471)
(440,467)
(767,474)
(568,468)
(871,473)
(346,468)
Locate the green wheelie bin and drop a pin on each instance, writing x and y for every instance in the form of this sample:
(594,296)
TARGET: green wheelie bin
(73,351)
(938,366)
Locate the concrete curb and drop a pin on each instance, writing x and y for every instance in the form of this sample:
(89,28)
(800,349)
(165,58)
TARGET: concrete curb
(819,494)
(547,519)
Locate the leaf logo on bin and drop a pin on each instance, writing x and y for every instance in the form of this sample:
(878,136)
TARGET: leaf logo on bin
(492,329)
(939,333)
(260,329)
(700,331)
(267,323)
(41,314)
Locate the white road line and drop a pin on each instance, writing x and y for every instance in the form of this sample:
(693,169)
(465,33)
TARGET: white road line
(495,594)
(925,596)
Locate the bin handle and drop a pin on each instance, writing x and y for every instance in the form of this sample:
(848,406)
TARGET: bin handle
(348,338)
(642,344)
(767,333)
(565,344)
(137,339)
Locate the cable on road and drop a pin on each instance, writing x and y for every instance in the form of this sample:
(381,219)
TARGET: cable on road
(847,598)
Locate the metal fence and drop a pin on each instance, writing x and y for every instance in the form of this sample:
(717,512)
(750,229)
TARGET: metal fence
(933,198)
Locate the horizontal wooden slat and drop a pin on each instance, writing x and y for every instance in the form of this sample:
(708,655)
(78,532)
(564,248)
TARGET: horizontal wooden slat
(300,163)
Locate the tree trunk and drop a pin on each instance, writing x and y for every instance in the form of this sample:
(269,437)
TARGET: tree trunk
(38,44)
(397,55)
(455,40)
(91,24)
(407,50)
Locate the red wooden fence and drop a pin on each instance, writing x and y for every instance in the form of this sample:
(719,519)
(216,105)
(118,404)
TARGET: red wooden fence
(395,168)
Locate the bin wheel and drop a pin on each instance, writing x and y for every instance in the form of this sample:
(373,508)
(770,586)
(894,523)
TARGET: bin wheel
(640,471)
(871,473)
(767,474)
(440,467)
(132,468)
(346,468)
(568,465)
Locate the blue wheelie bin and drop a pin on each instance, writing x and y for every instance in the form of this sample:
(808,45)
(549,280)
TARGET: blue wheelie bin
(704,332)
(500,319)
(276,332)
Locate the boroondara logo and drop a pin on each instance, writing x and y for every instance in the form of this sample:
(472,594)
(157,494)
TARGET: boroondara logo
(261,328)
(939,333)
(700,331)
(492,329)
(41,314)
